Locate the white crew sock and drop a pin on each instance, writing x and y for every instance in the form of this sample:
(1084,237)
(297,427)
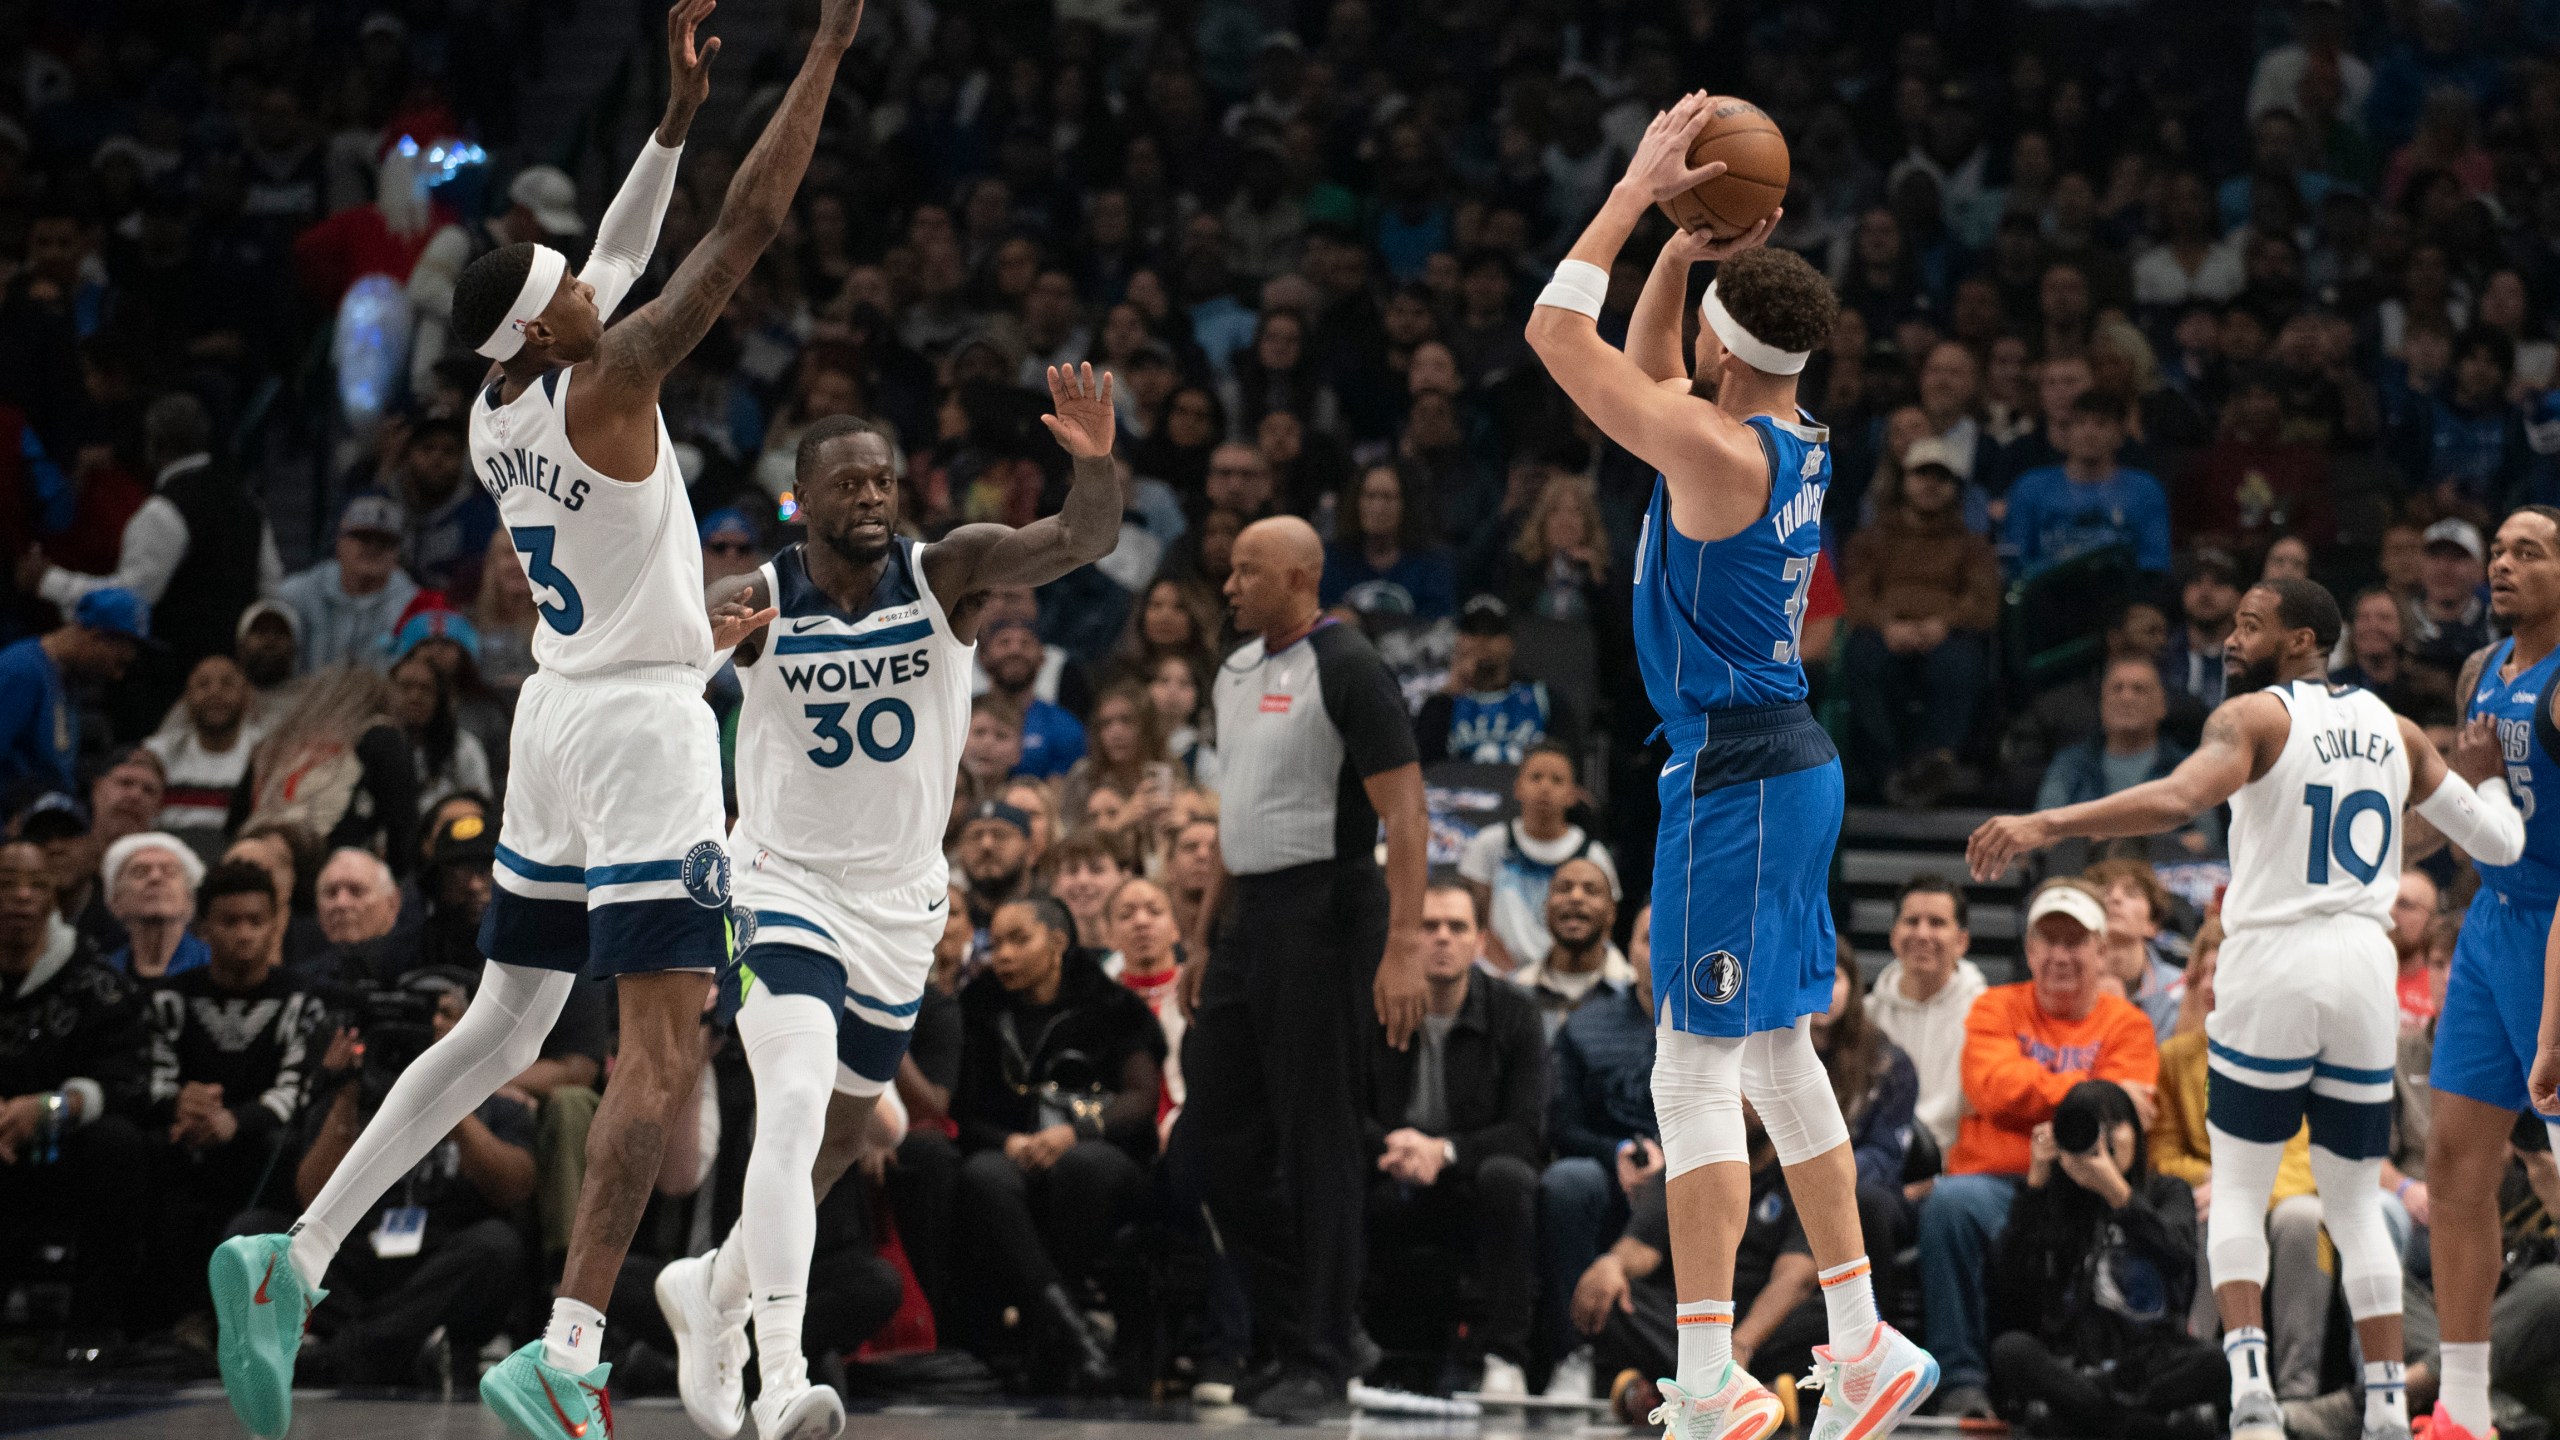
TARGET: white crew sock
(2246,1349)
(491,1044)
(2386,1397)
(1706,1344)
(575,1340)
(2464,1388)
(1849,1294)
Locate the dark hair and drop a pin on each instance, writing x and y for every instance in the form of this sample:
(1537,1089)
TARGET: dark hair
(2089,402)
(1090,847)
(1549,747)
(1854,1050)
(1052,913)
(833,427)
(2306,605)
(437,738)
(1779,297)
(488,287)
(234,877)
(1934,885)
(2106,874)
(2480,339)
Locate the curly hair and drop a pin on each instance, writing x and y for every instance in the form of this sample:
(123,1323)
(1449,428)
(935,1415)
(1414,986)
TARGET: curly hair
(1779,297)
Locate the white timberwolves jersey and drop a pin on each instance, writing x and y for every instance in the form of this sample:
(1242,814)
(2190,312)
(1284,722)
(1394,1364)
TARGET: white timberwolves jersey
(2319,833)
(851,725)
(616,567)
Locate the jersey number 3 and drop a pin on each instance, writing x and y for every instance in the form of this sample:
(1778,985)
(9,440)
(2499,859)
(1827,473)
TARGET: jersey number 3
(828,725)
(534,543)
(1798,573)
(2333,833)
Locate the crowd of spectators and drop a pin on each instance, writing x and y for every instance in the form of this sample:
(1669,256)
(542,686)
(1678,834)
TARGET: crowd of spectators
(2139,305)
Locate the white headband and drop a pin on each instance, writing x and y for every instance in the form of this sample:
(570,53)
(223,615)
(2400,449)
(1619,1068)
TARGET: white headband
(540,284)
(1760,356)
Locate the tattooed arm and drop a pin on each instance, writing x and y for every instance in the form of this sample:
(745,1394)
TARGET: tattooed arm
(613,404)
(2242,737)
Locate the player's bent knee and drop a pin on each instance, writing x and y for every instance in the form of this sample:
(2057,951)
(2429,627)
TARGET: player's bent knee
(1783,1078)
(1697,1101)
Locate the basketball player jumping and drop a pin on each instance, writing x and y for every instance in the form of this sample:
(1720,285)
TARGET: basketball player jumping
(611,858)
(2306,1021)
(1751,797)
(856,703)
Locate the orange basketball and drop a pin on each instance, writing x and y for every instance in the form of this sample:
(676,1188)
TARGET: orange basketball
(1743,136)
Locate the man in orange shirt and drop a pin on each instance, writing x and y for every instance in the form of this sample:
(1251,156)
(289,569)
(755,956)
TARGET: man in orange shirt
(2025,1046)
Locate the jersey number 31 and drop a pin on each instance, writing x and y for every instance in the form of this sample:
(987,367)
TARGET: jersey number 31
(2333,832)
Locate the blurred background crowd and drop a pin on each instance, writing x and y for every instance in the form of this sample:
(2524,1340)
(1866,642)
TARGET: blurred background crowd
(2142,301)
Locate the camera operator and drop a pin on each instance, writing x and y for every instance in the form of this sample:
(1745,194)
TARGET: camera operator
(2092,1282)
(440,1248)
(230,1045)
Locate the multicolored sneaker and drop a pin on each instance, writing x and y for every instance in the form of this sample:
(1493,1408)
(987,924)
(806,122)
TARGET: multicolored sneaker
(1741,1408)
(262,1306)
(540,1401)
(1864,1397)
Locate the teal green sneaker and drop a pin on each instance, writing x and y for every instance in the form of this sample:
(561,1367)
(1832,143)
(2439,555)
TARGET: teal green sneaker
(541,1401)
(262,1305)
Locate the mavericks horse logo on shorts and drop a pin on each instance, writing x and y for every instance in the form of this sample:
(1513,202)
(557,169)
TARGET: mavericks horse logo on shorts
(706,875)
(1716,976)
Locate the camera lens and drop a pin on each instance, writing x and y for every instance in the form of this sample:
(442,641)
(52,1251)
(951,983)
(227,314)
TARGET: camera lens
(2075,1128)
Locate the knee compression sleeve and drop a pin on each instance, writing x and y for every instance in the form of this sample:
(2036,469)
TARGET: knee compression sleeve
(1697,1100)
(2351,1204)
(1784,1080)
(790,1042)
(2244,1180)
(492,1043)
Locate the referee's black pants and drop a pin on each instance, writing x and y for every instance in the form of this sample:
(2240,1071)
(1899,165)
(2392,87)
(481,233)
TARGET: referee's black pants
(1272,1065)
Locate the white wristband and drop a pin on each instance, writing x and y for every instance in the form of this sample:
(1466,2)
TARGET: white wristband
(1578,286)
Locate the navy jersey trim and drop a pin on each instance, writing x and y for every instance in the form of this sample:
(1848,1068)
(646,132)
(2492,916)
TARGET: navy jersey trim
(797,595)
(551,386)
(881,639)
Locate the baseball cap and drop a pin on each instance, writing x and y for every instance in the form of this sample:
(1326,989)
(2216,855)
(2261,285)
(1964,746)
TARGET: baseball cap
(2210,560)
(2460,534)
(552,196)
(464,840)
(132,845)
(1484,615)
(53,815)
(729,523)
(999,811)
(435,623)
(373,515)
(269,609)
(1932,450)
(2073,900)
(116,611)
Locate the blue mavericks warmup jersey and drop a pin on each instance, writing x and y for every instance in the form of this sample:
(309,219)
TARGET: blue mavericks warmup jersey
(1743,933)
(1717,622)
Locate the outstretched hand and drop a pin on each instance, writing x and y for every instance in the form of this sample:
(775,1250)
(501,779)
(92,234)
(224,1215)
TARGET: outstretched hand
(1660,168)
(732,621)
(2001,842)
(689,63)
(1697,245)
(1084,421)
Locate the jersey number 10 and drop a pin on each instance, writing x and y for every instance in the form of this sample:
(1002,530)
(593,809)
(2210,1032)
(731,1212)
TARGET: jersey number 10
(2333,833)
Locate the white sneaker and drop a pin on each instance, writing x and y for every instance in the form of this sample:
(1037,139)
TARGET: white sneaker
(711,1348)
(1864,1398)
(2255,1415)
(1502,1380)
(1572,1380)
(801,1412)
(1740,1409)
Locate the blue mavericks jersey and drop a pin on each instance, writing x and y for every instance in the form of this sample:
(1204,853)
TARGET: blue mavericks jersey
(2522,709)
(1716,623)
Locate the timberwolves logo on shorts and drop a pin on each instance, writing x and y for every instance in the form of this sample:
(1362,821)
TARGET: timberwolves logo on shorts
(1717,977)
(706,875)
(742,928)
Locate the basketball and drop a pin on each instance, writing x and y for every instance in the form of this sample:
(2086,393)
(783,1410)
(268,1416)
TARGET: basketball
(1743,136)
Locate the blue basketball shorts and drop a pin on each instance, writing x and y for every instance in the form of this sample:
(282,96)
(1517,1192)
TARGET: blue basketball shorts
(2492,1017)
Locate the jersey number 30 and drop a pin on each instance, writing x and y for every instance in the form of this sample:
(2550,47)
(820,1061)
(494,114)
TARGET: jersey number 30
(534,543)
(828,725)
(2333,833)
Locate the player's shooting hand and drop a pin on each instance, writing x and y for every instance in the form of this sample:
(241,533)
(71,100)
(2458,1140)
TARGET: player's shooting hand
(2477,756)
(1660,167)
(732,621)
(688,64)
(2001,841)
(1751,239)
(1083,423)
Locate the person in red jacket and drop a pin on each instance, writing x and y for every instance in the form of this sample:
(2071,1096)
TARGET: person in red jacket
(2025,1046)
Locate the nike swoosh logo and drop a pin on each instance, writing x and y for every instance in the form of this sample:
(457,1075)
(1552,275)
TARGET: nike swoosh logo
(576,1428)
(261,1297)
(1678,765)
(938,904)
(801,626)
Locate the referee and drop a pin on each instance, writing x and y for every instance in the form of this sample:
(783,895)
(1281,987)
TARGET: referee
(1314,748)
